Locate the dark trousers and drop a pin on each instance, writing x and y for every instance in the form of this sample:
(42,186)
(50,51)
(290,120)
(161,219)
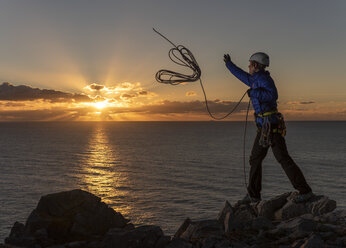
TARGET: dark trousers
(279,149)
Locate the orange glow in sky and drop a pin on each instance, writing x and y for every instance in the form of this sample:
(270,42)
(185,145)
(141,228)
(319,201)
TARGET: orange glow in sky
(74,67)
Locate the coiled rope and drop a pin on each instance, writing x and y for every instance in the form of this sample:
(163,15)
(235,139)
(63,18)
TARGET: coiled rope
(265,139)
(184,57)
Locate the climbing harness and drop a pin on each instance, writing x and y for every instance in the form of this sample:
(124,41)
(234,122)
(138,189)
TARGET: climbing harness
(268,129)
(281,128)
(265,139)
(266,113)
(183,56)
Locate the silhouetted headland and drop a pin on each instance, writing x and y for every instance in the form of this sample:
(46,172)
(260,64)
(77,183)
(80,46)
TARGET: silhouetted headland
(76,219)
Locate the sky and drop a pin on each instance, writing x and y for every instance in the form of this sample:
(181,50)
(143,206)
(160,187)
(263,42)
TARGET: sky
(74,60)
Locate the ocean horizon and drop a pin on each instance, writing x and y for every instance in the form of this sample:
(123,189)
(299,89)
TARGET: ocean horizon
(158,172)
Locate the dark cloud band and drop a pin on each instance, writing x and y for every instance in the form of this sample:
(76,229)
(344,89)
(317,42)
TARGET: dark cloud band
(10,92)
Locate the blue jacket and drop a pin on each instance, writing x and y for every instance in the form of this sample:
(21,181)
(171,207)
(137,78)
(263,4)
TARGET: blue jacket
(263,92)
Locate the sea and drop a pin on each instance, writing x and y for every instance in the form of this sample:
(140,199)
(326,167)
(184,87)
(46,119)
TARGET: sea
(158,173)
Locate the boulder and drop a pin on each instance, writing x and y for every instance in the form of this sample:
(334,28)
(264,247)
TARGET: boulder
(182,228)
(226,208)
(261,223)
(267,208)
(19,237)
(17,231)
(215,242)
(240,218)
(321,205)
(141,237)
(335,217)
(298,243)
(290,210)
(198,230)
(179,243)
(65,217)
(316,206)
(298,224)
(78,219)
(163,241)
(314,241)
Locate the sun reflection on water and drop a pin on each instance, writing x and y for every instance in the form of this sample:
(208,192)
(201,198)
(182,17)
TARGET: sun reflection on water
(102,173)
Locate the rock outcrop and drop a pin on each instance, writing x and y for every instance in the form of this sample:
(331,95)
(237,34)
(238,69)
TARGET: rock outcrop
(78,219)
(278,222)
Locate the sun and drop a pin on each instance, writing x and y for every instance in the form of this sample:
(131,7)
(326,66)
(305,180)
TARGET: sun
(100,105)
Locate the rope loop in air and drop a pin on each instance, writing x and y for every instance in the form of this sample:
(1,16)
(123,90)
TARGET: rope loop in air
(182,56)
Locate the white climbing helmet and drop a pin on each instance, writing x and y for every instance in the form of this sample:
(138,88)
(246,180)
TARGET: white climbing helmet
(261,58)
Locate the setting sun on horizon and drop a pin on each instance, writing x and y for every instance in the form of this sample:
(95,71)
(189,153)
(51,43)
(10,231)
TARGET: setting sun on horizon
(68,60)
(172,123)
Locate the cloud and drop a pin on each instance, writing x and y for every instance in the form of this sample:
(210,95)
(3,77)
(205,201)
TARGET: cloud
(94,87)
(10,92)
(191,93)
(143,93)
(123,91)
(300,103)
(126,96)
(196,107)
(39,115)
(147,94)
(11,104)
(98,98)
(123,87)
(25,103)
(310,102)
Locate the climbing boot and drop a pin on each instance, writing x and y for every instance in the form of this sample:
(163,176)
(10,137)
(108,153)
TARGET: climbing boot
(303,197)
(247,200)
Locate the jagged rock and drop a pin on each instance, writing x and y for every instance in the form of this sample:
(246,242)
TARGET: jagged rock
(262,223)
(317,205)
(74,213)
(182,228)
(78,219)
(336,217)
(222,244)
(314,241)
(76,244)
(19,237)
(322,205)
(327,228)
(239,244)
(67,216)
(290,210)
(226,208)
(299,234)
(240,218)
(179,243)
(328,235)
(298,243)
(95,244)
(282,241)
(336,243)
(298,224)
(198,230)
(163,241)
(215,242)
(267,208)
(140,237)
(17,230)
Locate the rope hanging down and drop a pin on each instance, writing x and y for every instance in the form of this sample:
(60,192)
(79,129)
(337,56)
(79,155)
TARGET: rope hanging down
(174,78)
(184,57)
